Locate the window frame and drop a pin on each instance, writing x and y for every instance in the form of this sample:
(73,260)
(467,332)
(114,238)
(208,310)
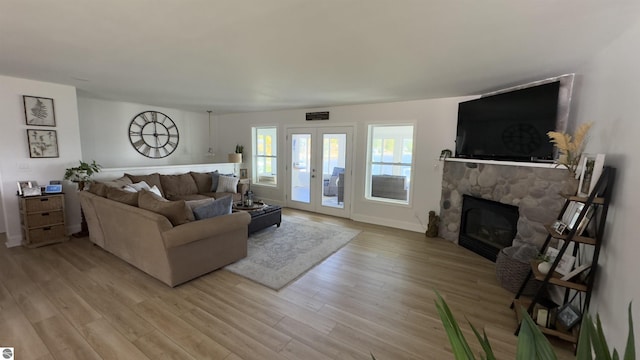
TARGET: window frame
(255,156)
(370,163)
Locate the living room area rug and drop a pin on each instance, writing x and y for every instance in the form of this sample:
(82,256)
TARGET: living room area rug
(277,256)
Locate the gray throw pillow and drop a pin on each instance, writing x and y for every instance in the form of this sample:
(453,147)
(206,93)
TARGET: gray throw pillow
(214,180)
(215,177)
(219,207)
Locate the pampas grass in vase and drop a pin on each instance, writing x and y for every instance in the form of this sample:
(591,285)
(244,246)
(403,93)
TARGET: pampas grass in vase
(570,147)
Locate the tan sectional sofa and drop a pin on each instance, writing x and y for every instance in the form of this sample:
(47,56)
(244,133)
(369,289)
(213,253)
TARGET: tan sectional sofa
(172,253)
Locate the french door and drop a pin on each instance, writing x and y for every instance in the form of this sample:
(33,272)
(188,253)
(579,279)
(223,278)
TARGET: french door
(319,169)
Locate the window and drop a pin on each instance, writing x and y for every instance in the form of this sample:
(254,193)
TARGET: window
(265,156)
(389,163)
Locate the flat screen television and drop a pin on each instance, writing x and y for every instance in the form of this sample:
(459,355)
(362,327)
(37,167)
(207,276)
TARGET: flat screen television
(511,125)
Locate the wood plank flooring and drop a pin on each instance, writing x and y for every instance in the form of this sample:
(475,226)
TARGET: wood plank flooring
(375,295)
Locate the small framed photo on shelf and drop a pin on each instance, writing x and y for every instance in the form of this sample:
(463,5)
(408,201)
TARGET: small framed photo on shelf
(243,173)
(42,143)
(559,227)
(568,316)
(566,263)
(591,166)
(38,111)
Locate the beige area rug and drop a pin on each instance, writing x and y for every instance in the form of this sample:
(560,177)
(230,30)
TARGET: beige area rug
(277,256)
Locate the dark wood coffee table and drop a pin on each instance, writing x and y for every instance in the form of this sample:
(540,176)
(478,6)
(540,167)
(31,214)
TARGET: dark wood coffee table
(262,215)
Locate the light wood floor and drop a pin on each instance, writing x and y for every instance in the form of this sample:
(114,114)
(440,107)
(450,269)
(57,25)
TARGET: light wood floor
(375,295)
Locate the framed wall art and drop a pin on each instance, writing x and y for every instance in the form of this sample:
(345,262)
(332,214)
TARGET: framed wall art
(243,173)
(42,143)
(39,111)
(591,168)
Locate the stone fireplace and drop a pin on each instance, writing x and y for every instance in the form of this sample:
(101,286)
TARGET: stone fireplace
(533,188)
(487,226)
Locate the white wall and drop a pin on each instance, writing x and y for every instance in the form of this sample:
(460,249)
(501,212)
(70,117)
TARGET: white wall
(104,130)
(609,93)
(15,163)
(435,130)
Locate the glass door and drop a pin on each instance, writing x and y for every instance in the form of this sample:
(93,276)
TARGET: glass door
(319,173)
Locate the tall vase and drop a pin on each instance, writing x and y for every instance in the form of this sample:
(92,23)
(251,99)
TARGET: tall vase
(570,185)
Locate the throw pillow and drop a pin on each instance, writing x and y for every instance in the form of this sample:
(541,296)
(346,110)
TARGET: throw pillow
(192,204)
(227,184)
(215,176)
(136,187)
(173,210)
(151,179)
(156,191)
(122,196)
(218,207)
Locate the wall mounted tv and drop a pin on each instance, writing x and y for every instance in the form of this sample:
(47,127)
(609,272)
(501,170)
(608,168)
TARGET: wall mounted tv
(512,124)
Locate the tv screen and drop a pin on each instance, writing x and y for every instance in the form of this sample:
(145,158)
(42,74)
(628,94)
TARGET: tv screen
(509,126)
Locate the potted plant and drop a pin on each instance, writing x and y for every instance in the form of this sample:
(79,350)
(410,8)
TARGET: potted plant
(569,152)
(83,172)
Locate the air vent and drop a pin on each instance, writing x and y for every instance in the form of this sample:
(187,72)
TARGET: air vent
(320,115)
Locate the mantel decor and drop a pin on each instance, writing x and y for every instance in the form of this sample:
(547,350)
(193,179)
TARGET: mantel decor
(42,143)
(39,111)
(570,147)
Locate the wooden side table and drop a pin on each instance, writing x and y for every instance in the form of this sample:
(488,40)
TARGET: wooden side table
(43,220)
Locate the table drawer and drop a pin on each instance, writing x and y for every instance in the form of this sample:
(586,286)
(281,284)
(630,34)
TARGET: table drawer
(44,218)
(43,203)
(46,234)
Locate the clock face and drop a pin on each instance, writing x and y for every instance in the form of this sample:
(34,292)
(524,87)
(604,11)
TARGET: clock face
(153,134)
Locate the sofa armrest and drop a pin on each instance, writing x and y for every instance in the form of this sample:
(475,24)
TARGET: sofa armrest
(207,228)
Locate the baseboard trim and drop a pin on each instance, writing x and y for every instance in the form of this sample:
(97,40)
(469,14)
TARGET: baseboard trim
(389,223)
(13,241)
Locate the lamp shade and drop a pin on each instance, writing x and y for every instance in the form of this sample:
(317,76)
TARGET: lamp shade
(235,158)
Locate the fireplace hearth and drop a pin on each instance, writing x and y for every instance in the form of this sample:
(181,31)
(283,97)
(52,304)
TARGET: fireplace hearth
(486,226)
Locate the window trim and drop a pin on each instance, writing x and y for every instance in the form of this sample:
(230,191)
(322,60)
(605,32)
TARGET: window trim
(369,165)
(255,156)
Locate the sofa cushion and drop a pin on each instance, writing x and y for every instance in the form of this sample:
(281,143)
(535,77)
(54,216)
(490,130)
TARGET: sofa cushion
(152,179)
(192,204)
(191,197)
(117,183)
(175,211)
(216,208)
(203,181)
(98,188)
(136,187)
(122,196)
(177,185)
(227,184)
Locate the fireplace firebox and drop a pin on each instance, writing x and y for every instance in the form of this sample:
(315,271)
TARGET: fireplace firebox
(487,226)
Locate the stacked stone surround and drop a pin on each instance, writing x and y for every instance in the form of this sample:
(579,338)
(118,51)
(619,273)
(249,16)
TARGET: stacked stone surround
(535,190)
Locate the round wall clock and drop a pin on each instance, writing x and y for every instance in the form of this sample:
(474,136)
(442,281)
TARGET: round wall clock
(153,134)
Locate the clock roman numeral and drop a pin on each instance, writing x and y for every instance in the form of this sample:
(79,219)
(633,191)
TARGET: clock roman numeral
(138,144)
(154,117)
(172,144)
(144,117)
(146,151)
(135,133)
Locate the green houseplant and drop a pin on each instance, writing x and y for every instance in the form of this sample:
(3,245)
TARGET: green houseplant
(82,172)
(532,344)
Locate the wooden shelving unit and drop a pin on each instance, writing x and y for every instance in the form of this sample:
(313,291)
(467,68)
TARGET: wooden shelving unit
(598,202)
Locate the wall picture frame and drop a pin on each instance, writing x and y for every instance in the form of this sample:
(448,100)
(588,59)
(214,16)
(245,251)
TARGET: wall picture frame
(591,166)
(566,262)
(42,143)
(39,111)
(243,173)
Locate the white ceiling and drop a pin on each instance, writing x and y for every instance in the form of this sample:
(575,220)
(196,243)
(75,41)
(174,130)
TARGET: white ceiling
(237,56)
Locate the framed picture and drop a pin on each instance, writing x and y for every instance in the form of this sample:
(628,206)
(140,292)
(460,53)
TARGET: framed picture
(22,185)
(243,173)
(570,217)
(590,170)
(42,143)
(568,316)
(38,111)
(559,227)
(566,263)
